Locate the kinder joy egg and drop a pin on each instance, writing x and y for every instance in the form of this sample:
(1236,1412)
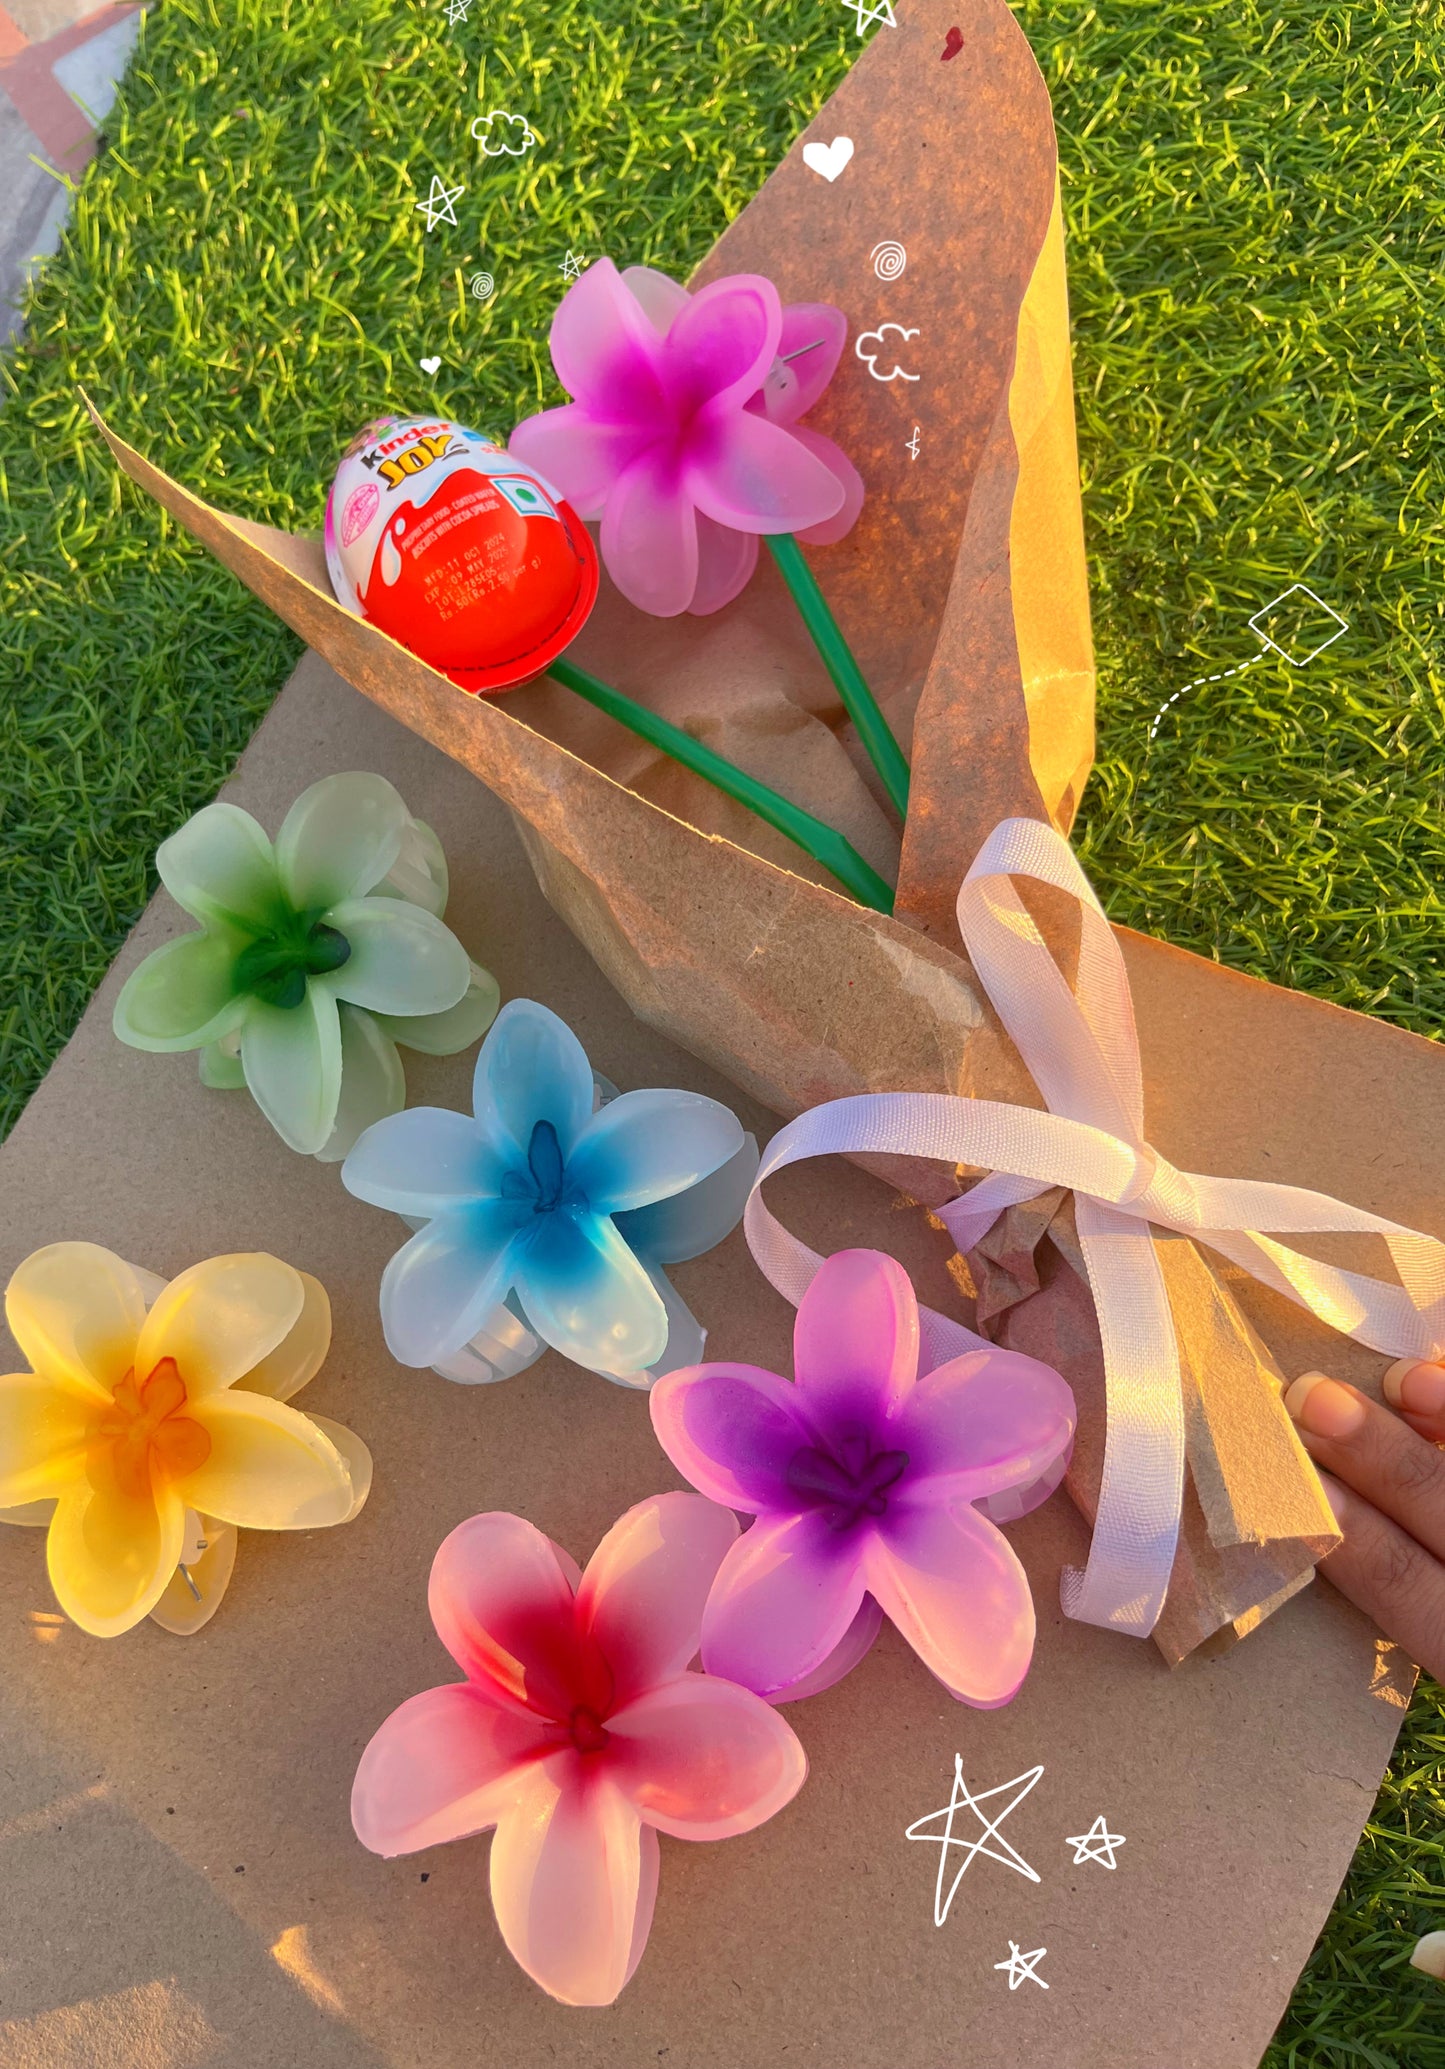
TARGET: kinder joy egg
(449,544)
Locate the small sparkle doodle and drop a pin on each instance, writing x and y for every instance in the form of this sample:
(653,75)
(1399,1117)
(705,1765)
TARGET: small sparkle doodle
(911,445)
(952,45)
(572,267)
(1021,1967)
(1097,1844)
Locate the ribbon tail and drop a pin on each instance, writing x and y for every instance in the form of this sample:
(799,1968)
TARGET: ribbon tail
(1141,1494)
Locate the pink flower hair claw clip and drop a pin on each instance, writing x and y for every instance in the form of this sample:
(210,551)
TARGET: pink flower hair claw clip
(867,1480)
(579,1733)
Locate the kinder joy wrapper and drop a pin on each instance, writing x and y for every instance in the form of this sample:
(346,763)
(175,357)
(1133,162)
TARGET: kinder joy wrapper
(547,1218)
(459,551)
(578,1733)
(867,1480)
(152,1424)
(315,958)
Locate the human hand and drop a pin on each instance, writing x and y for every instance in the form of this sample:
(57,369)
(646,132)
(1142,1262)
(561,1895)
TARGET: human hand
(1384,1475)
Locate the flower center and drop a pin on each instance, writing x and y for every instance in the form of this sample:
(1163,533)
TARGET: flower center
(589,1733)
(146,1420)
(275,967)
(544,1182)
(848,1482)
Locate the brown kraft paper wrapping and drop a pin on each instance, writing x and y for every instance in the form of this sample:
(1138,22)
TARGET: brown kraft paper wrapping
(183,1887)
(962,589)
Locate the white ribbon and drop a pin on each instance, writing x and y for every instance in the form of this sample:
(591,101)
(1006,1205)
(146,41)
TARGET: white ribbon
(1083,1053)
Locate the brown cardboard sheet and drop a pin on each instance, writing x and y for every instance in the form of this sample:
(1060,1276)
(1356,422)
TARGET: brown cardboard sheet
(183,1890)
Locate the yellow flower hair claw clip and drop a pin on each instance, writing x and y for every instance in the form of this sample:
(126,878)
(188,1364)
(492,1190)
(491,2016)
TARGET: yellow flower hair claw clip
(153,1424)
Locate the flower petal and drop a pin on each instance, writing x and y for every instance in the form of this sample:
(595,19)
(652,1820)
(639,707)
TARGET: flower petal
(403,959)
(441,1286)
(455,1027)
(111,1555)
(292,1059)
(662,299)
(756,476)
(989,1420)
(419,873)
(850,480)
(269,1467)
(425,1161)
(183,996)
(704,1759)
(648,538)
(605,351)
(852,1648)
(301,1353)
(581,452)
(220,868)
(726,561)
(45,1432)
(719,347)
(584,1291)
(192,1598)
(220,1319)
(221,1070)
(646,1146)
(954,1588)
(373,1083)
(732,1430)
(643,1592)
(783,1600)
(502,1601)
(446,1764)
(76,1310)
(810,344)
(567,1885)
(354,1456)
(693,1222)
(855,1341)
(339,839)
(532,1068)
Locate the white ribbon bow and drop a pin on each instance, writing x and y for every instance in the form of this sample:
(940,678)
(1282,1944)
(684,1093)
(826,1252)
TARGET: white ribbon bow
(1083,1053)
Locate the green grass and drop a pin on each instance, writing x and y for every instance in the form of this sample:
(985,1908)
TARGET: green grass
(1256,206)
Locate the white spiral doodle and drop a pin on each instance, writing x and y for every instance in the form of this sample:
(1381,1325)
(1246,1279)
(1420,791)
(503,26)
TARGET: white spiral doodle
(482,286)
(889,259)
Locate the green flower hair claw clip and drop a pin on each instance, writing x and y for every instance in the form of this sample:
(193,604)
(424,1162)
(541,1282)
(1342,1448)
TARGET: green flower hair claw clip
(316,957)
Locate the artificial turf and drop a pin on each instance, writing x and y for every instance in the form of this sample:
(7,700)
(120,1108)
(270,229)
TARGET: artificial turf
(1257,242)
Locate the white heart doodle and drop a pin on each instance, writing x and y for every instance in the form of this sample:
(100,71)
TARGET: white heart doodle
(429,366)
(828,159)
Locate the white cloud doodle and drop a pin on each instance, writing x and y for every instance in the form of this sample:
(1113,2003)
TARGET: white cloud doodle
(870,359)
(503,142)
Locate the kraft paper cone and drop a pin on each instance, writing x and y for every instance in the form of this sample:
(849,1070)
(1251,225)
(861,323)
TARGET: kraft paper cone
(963,591)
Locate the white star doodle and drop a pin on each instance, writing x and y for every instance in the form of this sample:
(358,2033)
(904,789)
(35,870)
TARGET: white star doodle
(962,1799)
(1097,1844)
(571,266)
(437,208)
(457,11)
(1021,1966)
(879,11)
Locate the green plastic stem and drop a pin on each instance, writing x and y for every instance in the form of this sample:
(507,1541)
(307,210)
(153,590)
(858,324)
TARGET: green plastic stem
(811,835)
(858,700)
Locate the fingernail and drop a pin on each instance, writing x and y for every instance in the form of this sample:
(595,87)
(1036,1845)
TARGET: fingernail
(1324,1408)
(1337,1498)
(1415,1386)
(1429,1955)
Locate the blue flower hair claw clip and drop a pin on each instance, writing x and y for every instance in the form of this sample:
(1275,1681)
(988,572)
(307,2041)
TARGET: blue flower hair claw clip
(547,1218)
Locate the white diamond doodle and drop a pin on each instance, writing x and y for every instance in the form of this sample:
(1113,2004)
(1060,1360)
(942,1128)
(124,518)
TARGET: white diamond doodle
(437,208)
(507,142)
(1021,1966)
(1269,646)
(961,1799)
(1097,1844)
(828,159)
(870,359)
